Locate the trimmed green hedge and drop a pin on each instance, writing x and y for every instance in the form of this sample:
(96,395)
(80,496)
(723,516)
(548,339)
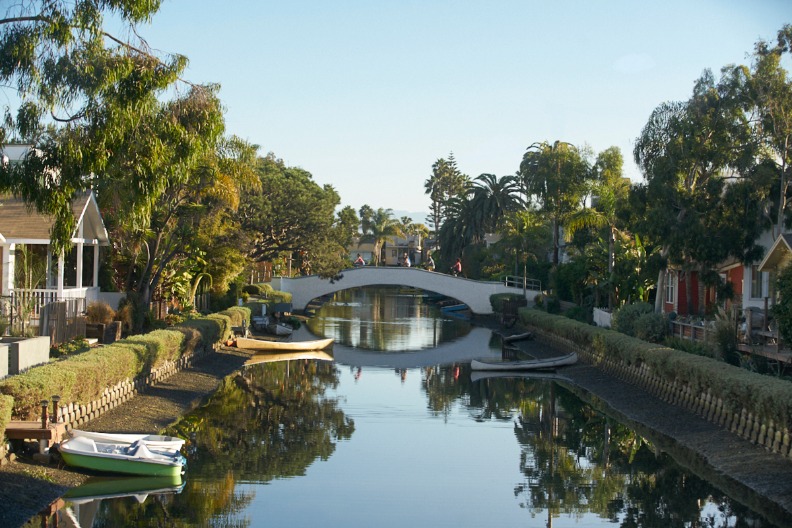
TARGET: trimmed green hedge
(82,378)
(766,397)
(6,405)
(497,299)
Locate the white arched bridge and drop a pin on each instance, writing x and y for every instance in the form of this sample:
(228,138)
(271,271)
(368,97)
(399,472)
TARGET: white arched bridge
(475,294)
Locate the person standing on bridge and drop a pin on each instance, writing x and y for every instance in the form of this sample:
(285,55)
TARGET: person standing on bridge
(456,269)
(430,263)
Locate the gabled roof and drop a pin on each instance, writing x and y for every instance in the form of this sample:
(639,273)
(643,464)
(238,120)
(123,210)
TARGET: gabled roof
(21,224)
(779,255)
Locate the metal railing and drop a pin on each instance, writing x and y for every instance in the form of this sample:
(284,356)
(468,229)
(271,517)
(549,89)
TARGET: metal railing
(516,281)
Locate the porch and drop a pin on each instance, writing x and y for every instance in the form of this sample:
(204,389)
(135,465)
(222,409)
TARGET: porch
(32,276)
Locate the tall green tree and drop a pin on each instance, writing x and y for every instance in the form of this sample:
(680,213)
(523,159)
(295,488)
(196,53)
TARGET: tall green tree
(609,189)
(383,228)
(445,183)
(347,226)
(292,217)
(190,230)
(556,175)
(687,150)
(766,91)
(82,94)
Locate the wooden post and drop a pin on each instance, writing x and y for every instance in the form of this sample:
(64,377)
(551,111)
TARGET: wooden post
(55,410)
(44,414)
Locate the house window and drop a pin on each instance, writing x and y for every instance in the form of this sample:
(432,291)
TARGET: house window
(757,280)
(670,285)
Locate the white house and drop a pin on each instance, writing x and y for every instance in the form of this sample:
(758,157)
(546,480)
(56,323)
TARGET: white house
(25,245)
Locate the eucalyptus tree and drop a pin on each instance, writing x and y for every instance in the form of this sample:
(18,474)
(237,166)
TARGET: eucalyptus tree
(687,151)
(191,229)
(383,228)
(557,176)
(766,91)
(445,183)
(86,99)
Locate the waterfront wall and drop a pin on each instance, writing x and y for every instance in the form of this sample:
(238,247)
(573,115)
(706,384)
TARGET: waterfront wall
(755,407)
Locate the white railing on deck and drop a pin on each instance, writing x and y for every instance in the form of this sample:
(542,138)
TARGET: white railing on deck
(515,281)
(36,299)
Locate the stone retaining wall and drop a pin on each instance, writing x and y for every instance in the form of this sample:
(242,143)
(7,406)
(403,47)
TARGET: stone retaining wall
(75,415)
(744,423)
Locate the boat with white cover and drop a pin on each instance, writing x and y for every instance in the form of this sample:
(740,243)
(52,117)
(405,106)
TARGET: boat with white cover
(131,459)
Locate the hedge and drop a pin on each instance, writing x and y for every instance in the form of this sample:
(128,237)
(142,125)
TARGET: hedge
(6,405)
(82,378)
(497,299)
(766,397)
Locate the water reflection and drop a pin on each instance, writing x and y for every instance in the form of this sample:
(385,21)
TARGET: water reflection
(311,442)
(576,462)
(385,319)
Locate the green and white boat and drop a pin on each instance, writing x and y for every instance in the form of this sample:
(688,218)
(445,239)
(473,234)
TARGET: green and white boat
(131,459)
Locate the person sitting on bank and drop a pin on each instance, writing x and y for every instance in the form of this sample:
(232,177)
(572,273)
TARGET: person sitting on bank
(359,261)
(406,261)
(456,269)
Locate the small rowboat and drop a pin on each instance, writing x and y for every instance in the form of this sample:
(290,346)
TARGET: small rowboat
(523,364)
(152,441)
(250,343)
(132,459)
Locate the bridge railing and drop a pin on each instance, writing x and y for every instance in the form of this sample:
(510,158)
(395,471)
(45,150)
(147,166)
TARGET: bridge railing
(515,281)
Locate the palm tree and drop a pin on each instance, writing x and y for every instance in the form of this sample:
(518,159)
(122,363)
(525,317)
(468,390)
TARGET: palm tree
(609,189)
(494,198)
(381,229)
(557,175)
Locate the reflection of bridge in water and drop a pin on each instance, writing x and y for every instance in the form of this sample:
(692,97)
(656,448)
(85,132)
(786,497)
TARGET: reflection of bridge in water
(473,345)
(475,294)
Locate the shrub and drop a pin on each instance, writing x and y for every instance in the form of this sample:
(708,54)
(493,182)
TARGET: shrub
(75,346)
(99,313)
(688,345)
(252,289)
(579,313)
(553,305)
(650,327)
(624,318)
(498,299)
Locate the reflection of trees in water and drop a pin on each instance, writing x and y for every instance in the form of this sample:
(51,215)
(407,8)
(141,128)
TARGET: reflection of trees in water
(576,461)
(381,318)
(273,418)
(268,421)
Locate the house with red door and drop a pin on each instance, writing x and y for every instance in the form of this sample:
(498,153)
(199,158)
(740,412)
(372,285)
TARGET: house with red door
(752,285)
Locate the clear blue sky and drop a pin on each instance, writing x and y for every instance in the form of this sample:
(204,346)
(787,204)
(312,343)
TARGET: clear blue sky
(367,95)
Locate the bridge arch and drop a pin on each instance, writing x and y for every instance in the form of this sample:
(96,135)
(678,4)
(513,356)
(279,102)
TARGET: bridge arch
(475,294)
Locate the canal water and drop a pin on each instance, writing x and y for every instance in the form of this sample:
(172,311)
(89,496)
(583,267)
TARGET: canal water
(396,431)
